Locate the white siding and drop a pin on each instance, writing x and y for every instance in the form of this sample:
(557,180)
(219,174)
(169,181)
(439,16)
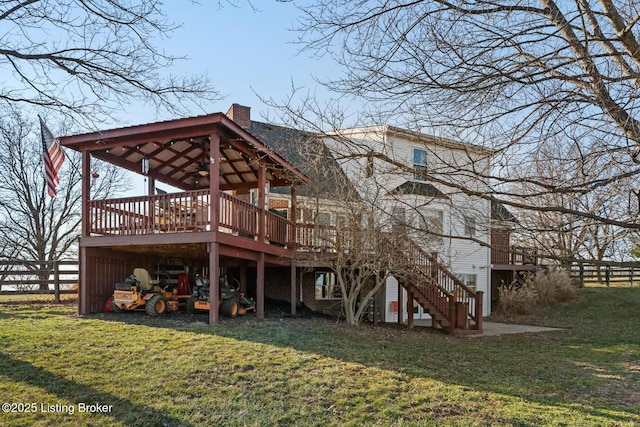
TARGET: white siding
(462,256)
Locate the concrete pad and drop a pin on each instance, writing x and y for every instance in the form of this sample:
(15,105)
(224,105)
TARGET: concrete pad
(492,329)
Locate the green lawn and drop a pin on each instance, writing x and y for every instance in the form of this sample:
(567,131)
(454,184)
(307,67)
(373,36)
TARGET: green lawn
(179,371)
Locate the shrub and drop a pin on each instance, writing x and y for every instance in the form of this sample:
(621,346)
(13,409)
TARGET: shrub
(517,300)
(552,286)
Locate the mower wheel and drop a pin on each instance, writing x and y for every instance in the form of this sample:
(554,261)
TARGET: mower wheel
(191,305)
(115,308)
(230,307)
(156,305)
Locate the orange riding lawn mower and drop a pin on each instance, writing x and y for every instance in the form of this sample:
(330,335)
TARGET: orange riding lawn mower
(232,302)
(140,293)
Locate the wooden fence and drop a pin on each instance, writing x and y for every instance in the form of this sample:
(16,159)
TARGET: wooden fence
(619,274)
(22,276)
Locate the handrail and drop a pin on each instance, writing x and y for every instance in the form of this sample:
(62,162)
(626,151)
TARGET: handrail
(430,268)
(185,212)
(513,255)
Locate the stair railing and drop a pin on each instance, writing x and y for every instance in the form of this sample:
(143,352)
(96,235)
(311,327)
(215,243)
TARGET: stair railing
(465,299)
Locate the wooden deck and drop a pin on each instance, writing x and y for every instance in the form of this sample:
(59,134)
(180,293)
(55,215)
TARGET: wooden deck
(184,212)
(512,257)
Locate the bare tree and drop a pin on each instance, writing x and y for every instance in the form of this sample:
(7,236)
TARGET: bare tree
(567,238)
(360,257)
(34,226)
(506,75)
(89,58)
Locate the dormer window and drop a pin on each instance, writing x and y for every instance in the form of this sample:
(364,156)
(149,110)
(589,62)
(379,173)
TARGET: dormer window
(420,164)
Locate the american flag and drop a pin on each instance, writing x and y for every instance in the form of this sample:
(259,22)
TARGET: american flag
(53,157)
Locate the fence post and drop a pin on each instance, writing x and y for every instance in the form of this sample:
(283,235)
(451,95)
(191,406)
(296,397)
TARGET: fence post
(631,276)
(56,282)
(581,275)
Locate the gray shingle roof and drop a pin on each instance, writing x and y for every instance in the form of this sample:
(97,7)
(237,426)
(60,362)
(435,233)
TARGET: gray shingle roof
(500,213)
(307,152)
(419,189)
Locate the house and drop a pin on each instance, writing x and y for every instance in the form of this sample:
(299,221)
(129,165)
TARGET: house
(244,207)
(415,179)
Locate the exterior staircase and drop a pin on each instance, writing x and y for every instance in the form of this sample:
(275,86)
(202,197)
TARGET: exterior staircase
(451,304)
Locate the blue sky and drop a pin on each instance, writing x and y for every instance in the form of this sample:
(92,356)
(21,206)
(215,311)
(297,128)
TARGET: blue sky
(242,51)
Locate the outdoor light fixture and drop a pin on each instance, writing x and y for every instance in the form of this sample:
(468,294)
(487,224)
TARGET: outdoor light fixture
(202,167)
(202,170)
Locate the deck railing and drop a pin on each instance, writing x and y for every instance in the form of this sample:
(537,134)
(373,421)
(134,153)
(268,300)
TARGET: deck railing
(513,255)
(419,270)
(184,212)
(315,237)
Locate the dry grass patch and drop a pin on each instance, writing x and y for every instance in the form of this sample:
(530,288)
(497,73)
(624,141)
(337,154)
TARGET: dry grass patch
(540,290)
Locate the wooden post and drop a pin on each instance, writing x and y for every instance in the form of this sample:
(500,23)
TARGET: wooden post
(151,185)
(292,245)
(409,310)
(262,188)
(452,313)
(214,283)
(56,282)
(479,307)
(293,293)
(86,193)
(581,265)
(400,304)
(260,287)
(631,276)
(243,279)
(294,214)
(214,181)
(83,279)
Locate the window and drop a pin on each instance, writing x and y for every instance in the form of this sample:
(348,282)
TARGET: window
(469,226)
(419,164)
(468,279)
(429,227)
(326,286)
(432,221)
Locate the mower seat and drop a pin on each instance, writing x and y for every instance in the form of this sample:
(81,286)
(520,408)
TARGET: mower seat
(143,276)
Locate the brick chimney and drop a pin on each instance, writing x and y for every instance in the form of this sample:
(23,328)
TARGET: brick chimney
(240,114)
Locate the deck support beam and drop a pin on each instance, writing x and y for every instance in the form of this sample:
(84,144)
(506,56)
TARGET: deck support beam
(293,292)
(83,288)
(260,286)
(409,310)
(400,303)
(243,278)
(214,284)
(293,238)
(262,197)
(86,192)
(214,180)
(83,285)
(151,183)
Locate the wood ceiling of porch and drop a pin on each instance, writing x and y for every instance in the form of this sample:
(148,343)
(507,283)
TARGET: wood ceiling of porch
(178,153)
